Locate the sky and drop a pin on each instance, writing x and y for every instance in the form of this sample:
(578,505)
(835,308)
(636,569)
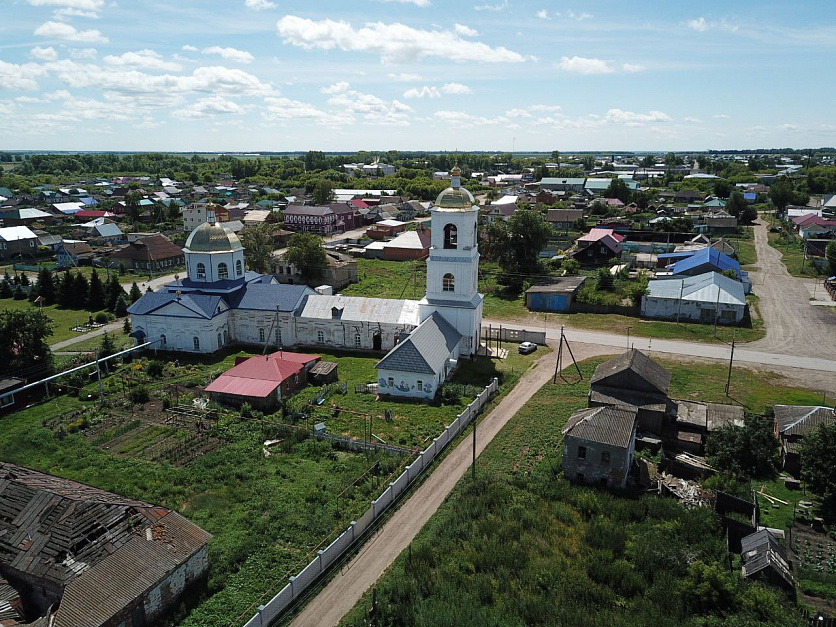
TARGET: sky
(493,75)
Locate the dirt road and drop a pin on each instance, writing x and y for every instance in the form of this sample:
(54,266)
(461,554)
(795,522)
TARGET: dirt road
(793,326)
(343,592)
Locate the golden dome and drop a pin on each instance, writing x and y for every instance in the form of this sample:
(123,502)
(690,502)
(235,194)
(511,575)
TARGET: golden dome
(213,238)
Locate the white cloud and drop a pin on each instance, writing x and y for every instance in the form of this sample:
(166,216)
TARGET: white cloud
(629,118)
(456,89)
(543,14)
(583,65)
(392,42)
(424,92)
(209,107)
(790,127)
(465,31)
(693,120)
(699,24)
(81,5)
(142,59)
(59,30)
(19,76)
(580,17)
(545,108)
(403,77)
(83,53)
(702,25)
(230,54)
(721,116)
(418,3)
(633,67)
(189,48)
(287,109)
(517,113)
(336,88)
(63,14)
(462,119)
(43,54)
(492,7)
(371,108)
(259,5)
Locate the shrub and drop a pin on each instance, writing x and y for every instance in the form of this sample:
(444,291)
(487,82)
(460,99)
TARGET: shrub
(139,395)
(450,395)
(246,410)
(606,281)
(155,368)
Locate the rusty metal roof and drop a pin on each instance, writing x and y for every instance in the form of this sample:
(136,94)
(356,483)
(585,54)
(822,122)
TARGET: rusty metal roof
(59,531)
(638,363)
(615,426)
(801,419)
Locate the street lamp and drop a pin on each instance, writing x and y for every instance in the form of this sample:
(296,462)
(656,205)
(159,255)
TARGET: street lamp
(628,337)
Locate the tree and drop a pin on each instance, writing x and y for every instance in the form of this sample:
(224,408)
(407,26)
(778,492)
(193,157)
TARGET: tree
(121,306)
(747,451)
(735,204)
(95,293)
(23,334)
(748,215)
(135,293)
(80,290)
(107,347)
(258,247)
(45,287)
(605,280)
(781,193)
(818,464)
(323,192)
(113,290)
(305,251)
(830,255)
(126,327)
(618,189)
(6,289)
(66,291)
(722,189)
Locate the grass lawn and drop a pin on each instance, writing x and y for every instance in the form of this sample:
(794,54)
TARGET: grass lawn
(267,514)
(120,340)
(523,546)
(793,257)
(63,318)
(745,247)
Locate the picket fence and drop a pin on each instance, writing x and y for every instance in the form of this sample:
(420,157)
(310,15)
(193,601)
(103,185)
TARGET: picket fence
(297,585)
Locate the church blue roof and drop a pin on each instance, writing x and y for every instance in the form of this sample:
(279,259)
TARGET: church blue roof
(271,297)
(204,305)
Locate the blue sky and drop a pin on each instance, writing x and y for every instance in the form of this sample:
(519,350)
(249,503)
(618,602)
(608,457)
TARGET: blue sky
(277,75)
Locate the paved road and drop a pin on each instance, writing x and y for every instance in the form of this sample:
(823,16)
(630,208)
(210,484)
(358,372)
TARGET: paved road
(346,588)
(793,326)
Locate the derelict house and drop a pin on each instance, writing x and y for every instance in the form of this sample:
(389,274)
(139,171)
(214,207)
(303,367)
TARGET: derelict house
(77,556)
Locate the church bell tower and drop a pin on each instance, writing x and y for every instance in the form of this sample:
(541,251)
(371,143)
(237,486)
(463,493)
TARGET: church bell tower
(453,264)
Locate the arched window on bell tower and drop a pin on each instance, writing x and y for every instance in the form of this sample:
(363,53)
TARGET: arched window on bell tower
(448,283)
(451,234)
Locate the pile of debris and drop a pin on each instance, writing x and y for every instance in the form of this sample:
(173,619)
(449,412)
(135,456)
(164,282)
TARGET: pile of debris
(690,493)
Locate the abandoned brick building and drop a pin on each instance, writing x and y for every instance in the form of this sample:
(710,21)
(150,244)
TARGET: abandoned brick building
(76,556)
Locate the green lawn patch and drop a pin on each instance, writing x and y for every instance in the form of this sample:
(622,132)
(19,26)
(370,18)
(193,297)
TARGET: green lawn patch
(64,319)
(523,546)
(792,255)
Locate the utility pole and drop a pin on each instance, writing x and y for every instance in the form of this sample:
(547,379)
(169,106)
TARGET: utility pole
(716,311)
(558,366)
(473,466)
(628,337)
(99,377)
(731,359)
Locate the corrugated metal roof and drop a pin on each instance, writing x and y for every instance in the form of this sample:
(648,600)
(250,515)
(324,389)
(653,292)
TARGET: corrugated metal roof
(707,256)
(361,309)
(640,364)
(801,419)
(12,233)
(426,349)
(702,288)
(259,376)
(607,425)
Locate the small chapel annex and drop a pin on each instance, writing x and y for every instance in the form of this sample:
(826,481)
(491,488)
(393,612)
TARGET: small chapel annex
(221,303)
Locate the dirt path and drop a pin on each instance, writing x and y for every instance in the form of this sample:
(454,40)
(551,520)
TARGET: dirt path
(793,326)
(343,592)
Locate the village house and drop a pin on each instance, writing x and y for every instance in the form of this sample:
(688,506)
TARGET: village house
(563,219)
(597,247)
(555,295)
(764,557)
(152,253)
(101,559)
(792,424)
(385,228)
(200,213)
(17,242)
(340,272)
(25,217)
(262,381)
(554,184)
(406,246)
(633,380)
(320,220)
(709,297)
(74,253)
(598,445)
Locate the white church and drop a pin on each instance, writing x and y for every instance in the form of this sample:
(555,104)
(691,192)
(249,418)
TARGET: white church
(221,303)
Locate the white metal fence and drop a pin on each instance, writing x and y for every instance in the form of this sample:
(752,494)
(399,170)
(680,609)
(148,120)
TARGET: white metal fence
(297,585)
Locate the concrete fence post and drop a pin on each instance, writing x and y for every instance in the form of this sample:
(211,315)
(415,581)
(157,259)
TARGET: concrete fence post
(292,587)
(319,558)
(351,527)
(261,609)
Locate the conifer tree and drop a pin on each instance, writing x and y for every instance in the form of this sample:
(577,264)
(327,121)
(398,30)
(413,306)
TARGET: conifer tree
(95,293)
(66,290)
(136,293)
(121,307)
(46,287)
(80,289)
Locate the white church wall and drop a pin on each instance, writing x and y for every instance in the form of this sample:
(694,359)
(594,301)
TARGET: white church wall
(180,332)
(407,384)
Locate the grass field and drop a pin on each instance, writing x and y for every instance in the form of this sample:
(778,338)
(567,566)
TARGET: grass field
(793,256)
(267,514)
(745,247)
(522,546)
(63,318)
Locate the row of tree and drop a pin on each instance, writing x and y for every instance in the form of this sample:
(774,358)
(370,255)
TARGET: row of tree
(73,290)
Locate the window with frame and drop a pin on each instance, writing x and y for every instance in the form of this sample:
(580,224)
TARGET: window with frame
(706,313)
(279,336)
(358,341)
(581,452)
(201,271)
(239,268)
(223,271)
(728,315)
(420,385)
(220,340)
(451,237)
(261,335)
(448,283)
(196,343)
(320,337)
(163,340)
(7,400)
(390,382)
(605,457)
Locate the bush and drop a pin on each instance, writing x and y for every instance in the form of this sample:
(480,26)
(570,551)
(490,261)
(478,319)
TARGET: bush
(101,317)
(246,410)
(606,282)
(450,395)
(155,368)
(139,395)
